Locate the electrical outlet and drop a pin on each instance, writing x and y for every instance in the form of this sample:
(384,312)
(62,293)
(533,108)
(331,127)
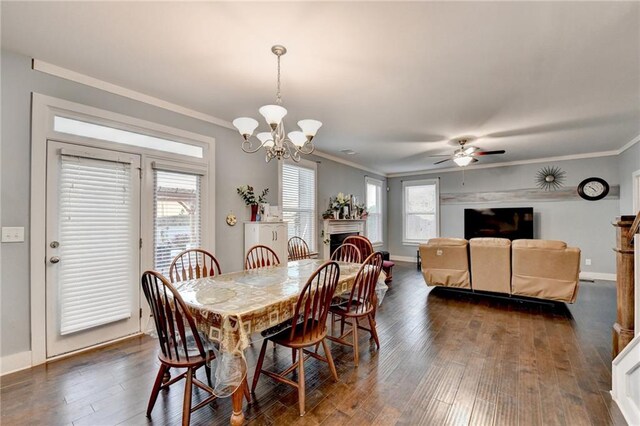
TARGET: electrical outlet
(12,234)
(587,262)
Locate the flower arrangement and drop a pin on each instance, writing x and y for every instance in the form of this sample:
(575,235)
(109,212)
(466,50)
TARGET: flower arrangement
(344,207)
(249,197)
(339,201)
(361,211)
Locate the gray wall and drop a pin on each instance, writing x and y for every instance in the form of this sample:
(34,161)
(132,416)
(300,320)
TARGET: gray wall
(335,177)
(580,223)
(628,163)
(233,168)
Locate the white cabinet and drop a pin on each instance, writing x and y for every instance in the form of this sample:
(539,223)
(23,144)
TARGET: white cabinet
(270,234)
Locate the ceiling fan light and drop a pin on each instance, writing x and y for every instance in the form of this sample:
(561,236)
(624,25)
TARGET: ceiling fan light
(273,114)
(298,138)
(245,126)
(463,160)
(309,127)
(266,139)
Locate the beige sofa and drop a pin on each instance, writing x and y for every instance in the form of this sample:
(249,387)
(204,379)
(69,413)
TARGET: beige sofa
(541,269)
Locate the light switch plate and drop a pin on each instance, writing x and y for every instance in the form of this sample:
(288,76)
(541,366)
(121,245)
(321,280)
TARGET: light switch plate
(12,234)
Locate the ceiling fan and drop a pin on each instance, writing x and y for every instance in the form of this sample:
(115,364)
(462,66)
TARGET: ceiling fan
(463,156)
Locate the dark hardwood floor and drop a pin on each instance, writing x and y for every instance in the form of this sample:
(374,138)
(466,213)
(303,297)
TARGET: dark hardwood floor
(446,358)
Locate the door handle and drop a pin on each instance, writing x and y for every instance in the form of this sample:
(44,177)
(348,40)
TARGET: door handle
(54,259)
(276,232)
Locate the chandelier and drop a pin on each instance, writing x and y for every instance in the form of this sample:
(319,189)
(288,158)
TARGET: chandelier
(276,142)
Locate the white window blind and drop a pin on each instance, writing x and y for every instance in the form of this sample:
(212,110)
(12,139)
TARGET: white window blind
(420,208)
(299,202)
(177,215)
(373,196)
(97,217)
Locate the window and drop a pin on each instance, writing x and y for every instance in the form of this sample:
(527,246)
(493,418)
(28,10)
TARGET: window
(298,192)
(177,215)
(111,134)
(421,219)
(373,198)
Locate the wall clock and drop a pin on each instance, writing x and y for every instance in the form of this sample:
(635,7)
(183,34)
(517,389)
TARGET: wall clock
(593,189)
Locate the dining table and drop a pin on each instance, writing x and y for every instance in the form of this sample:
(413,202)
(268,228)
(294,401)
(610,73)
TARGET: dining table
(233,309)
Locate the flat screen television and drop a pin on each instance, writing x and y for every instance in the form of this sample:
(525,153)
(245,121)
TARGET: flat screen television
(512,223)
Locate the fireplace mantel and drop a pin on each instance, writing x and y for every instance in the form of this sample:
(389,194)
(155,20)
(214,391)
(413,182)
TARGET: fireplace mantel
(341,226)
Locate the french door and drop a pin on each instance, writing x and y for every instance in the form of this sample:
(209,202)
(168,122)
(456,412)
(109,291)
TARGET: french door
(92,246)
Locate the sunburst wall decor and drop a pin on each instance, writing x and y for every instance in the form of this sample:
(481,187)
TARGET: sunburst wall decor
(550,178)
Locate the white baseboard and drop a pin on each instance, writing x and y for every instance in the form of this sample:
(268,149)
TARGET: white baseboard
(15,362)
(402,258)
(597,276)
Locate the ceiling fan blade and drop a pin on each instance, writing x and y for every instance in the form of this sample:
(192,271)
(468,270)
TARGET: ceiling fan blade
(481,153)
(442,161)
(470,150)
(439,155)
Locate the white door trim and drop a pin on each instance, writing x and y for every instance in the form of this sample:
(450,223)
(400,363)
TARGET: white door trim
(636,191)
(43,111)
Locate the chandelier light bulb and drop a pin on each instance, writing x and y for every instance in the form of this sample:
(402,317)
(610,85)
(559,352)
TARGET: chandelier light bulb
(273,114)
(245,126)
(266,139)
(310,127)
(298,138)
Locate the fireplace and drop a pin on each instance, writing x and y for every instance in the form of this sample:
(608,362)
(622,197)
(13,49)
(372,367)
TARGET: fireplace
(336,230)
(336,240)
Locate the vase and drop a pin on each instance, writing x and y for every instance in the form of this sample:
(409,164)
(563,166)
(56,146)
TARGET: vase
(254,212)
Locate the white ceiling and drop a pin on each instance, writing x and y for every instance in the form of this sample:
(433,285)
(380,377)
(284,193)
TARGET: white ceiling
(393,81)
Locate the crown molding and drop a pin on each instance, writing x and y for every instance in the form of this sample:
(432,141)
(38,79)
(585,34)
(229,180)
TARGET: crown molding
(629,144)
(348,163)
(86,80)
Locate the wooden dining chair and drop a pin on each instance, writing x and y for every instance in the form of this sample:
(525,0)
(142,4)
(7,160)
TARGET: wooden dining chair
(308,329)
(180,343)
(192,264)
(366,248)
(259,257)
(298,249)
(347,252)
(361,304)
(364,245)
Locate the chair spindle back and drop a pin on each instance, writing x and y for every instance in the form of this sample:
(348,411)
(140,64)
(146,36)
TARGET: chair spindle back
(347,252)
(259,257)
(314,301)
(192,264)
(171,316)
(298,249)
(363,244)
(364,286)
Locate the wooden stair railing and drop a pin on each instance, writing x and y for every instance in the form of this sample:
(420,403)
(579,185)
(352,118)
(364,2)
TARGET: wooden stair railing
(626,228)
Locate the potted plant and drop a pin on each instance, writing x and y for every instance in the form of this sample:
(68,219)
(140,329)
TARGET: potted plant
(249,198)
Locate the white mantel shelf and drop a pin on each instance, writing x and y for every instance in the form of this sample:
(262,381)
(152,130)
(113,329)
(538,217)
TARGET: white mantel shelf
(341,226)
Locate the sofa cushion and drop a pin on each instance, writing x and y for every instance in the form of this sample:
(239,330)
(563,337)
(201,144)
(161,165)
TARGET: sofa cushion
(447,242)
(540,244)
(491,264)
